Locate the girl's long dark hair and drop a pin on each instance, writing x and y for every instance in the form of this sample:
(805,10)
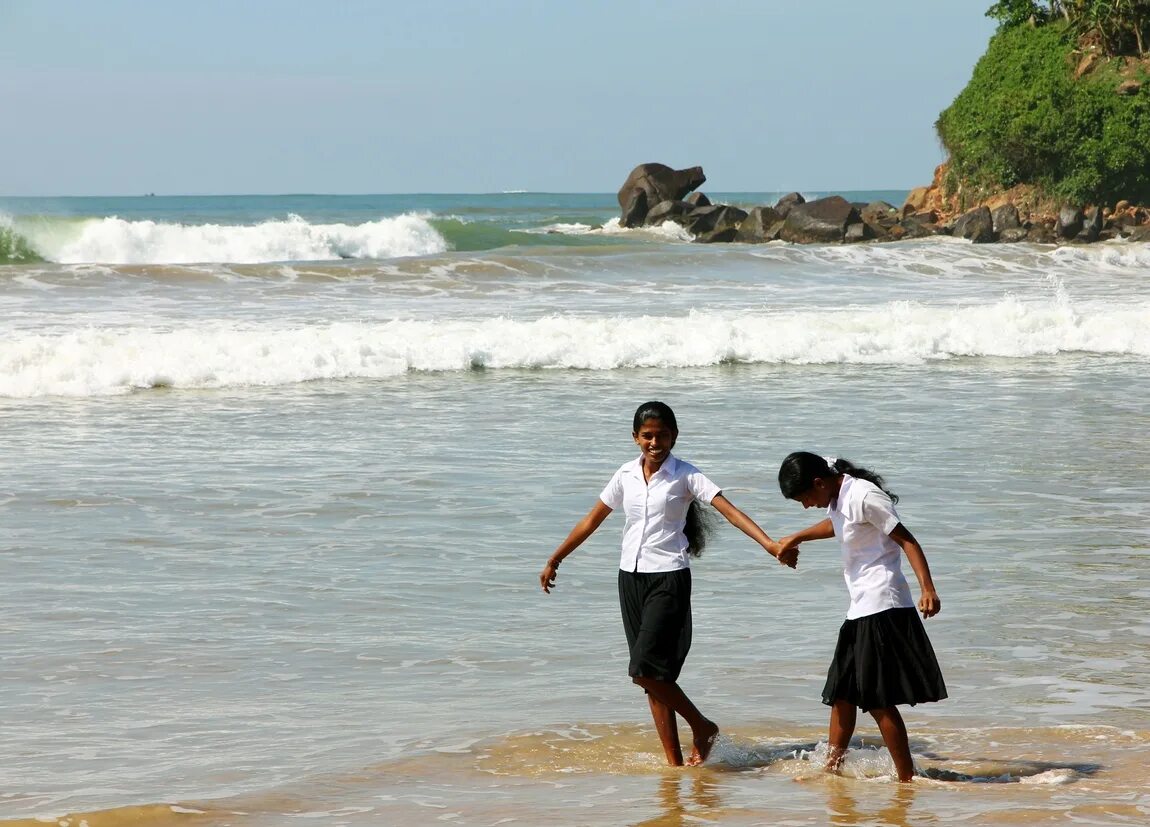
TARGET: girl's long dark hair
(700,520)
(800,470)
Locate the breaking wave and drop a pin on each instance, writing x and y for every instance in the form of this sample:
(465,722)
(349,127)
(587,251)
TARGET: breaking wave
(110,360)
(112,240)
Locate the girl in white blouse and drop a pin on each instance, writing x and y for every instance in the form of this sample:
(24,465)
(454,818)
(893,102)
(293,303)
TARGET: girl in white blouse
(664,528)
(883,657)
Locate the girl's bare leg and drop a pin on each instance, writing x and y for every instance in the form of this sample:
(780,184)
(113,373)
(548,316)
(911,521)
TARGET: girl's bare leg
(668,728)
(703,730)
(893,730)
(843,716)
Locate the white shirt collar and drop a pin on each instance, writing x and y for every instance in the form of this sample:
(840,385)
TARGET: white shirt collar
(670,466)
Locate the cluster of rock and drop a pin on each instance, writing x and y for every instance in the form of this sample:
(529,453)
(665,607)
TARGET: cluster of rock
(655,193)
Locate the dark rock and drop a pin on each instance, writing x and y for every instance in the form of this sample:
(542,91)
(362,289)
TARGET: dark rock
(880,214)
(705,219)
(698,199)
(859,231)
(784,205)
(823,221)
(755,227)
(1123,221)
(668,211)
(1041,234)
(1091,226)
(1141,233)
(914,227)
(926,217)
(1069,222)
(1012,235)
(977,225)
(717,223)
(724,235)
(1005,218)
(635,210)
(660,183)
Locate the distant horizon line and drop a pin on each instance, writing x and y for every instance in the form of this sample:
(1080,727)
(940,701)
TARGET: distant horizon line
(427,192)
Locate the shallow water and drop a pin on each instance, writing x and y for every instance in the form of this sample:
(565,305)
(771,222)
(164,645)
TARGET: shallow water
(273,531)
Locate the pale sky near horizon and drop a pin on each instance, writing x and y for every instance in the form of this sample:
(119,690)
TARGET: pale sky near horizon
(352,96)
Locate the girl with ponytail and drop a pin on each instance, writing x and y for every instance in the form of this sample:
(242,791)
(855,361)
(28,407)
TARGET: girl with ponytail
(883,657)
(665,526)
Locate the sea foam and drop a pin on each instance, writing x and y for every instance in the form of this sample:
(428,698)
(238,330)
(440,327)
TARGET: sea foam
(117,359)
(115,240)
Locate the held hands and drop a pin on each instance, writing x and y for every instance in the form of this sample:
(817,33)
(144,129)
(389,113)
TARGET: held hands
(548,575)
(786,551)
(929,604)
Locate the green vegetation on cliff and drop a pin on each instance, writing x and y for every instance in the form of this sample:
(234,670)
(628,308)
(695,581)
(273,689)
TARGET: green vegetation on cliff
(1039,110)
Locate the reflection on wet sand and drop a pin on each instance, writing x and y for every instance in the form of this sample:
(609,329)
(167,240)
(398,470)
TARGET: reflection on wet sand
(685,801)
(890,807)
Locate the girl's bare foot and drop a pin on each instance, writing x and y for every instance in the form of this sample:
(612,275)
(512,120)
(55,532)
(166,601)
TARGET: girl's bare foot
(704,740)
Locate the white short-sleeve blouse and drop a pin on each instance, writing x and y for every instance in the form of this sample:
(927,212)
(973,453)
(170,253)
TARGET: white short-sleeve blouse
(864,516)
(656,512)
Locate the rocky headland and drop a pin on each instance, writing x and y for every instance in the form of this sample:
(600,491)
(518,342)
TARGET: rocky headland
(655,193)
(1049,142)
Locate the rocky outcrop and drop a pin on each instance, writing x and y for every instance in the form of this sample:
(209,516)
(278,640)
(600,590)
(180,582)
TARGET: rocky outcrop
(1005,217)
(976,225)
(667,211)
(1025,213)
(762,224)
(784,204)
(1069,222)
(655,193)
(715,223)
(657,183)
(823,221)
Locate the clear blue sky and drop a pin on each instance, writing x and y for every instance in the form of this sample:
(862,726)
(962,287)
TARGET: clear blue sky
(105,97)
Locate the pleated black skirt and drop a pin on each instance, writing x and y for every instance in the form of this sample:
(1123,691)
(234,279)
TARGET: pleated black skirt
(882,660)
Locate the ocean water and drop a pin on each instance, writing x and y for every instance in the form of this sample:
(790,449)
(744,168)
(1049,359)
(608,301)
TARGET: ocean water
(280,473)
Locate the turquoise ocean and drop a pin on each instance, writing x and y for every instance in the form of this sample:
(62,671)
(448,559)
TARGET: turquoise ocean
(279,474)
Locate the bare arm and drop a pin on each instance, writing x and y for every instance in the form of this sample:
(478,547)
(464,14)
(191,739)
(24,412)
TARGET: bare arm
(822,530)
(582,530)
(749,527)
(929,603)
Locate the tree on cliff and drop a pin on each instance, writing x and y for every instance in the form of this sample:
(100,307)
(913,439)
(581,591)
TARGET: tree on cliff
(1047,109)
(1118,27)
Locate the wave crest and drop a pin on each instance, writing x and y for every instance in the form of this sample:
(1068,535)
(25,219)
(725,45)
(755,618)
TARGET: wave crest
(115,240)
(231,354)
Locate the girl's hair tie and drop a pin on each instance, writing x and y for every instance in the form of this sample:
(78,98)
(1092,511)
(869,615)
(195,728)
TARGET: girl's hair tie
(830,461)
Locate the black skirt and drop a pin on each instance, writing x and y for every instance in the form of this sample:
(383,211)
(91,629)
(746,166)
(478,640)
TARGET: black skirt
(882,660)
(656,608)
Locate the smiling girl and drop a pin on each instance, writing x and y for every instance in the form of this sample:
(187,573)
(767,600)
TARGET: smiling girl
(660,495)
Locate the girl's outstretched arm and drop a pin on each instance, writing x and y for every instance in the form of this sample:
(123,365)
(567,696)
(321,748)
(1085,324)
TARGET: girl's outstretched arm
(749,527)
(582,530)
(822,530)
(929,603)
